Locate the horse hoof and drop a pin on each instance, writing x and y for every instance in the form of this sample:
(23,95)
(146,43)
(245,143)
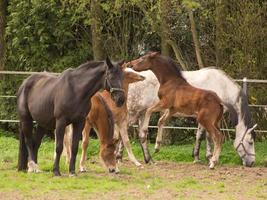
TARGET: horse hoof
(33,167)
(156,150)
(72,175)
(212,165)
(117,171)
(141,167)
(83,169)
(197,161)
(57,173)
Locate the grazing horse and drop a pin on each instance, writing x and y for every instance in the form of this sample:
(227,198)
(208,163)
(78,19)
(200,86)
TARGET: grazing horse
(143,95)
(57,101)
(101,119)
(98,119)
(178,96)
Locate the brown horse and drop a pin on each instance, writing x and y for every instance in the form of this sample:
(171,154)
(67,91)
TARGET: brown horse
(178,96)
(101,119)
(98,119)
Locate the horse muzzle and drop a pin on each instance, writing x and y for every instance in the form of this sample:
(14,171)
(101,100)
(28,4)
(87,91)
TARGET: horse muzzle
(248,163)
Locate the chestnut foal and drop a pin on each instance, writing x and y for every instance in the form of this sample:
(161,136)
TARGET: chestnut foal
(177,96)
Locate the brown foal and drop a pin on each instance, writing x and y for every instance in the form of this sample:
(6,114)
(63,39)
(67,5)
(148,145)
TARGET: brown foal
(100,118)
(178,96)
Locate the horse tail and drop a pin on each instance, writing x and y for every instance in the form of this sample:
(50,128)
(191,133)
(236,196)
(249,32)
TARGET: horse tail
(233,113)
(23,153)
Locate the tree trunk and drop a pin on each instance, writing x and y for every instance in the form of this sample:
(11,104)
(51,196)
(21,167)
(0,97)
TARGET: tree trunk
(165,47)
(3,7)
(96,30)
(219,22)
(178,54)
(195,39)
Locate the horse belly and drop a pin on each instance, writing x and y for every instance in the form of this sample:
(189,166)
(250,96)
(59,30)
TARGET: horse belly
(42,113)
(180,114)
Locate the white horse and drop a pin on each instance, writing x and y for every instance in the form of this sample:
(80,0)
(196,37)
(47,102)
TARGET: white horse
(143,95)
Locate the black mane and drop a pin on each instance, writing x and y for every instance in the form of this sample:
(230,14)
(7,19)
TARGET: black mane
(246,112)
(174,65)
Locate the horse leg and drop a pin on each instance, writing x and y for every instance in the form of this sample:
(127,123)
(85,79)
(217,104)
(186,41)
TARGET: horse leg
(143,142)
(29,141)
(162,121)
(119,150)
(208,147)
(85,142)
(199,136)
(23,152)
(67,143)
(210,121)
(40,132)
(60,130)
(126,143)
(217,137)
(77,133)
(118,142)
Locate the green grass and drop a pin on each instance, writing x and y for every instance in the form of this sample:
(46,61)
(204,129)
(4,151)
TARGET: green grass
(183,153)
(131,179)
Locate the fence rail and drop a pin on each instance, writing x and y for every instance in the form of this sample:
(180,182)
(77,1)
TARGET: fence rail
(244,81)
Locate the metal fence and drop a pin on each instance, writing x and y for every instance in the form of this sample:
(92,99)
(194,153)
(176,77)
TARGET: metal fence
(244,82)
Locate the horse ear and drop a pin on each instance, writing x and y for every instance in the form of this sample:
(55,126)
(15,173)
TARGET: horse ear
(153,54)
(109,64)
(251,129)
(121,62)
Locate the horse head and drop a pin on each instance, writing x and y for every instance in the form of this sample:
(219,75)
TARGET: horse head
(113,81)
(108,157)
(145,62)
(244,144)
(131,76)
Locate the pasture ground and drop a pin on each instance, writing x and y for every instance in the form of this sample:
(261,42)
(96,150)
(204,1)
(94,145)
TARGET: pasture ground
(174,176)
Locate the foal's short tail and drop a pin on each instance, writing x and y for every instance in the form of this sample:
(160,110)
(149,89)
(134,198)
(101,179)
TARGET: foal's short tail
(23,153)
(233,113)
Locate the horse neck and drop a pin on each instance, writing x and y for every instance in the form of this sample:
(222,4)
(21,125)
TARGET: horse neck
(88,81)
(165,74)
(107,122)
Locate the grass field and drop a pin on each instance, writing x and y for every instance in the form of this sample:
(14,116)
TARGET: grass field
(174,176)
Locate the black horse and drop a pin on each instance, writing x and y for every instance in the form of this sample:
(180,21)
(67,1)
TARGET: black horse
(57,101)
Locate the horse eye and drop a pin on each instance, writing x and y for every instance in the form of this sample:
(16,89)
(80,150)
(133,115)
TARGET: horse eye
(250,141)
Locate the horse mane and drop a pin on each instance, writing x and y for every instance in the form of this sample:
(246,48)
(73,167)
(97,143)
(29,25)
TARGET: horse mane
(109,116)
(246,111)
(174,66)
(89,64)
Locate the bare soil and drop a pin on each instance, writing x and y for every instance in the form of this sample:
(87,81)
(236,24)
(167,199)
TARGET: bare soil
(164,181)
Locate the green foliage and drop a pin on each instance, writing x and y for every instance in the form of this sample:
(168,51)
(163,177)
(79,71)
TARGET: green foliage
(46,35)
(55,35)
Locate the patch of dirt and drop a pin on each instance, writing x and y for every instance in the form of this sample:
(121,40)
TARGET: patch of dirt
(168,180)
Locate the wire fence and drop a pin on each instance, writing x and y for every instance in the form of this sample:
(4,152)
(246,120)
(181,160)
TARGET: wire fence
(244,82)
